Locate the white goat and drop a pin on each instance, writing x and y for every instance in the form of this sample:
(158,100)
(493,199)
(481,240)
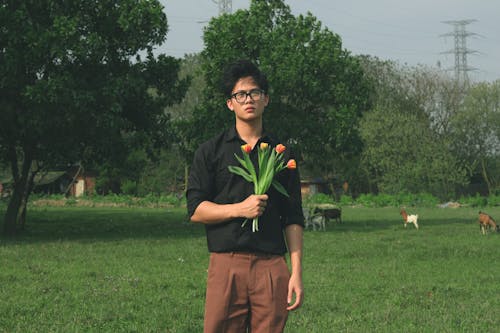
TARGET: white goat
(315,221)
(409,218)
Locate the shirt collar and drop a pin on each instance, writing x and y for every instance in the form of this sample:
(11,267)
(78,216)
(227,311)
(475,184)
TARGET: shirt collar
(232,135)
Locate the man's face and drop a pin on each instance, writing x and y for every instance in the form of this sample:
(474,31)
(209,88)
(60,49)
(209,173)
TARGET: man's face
(248,108)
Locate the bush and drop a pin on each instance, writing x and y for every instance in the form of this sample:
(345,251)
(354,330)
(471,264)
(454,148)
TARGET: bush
(178,199)
(319,198)
(476,201)
(129,187)
(426,200)
(70,202)
(346,200)
(366,200)
(406,199)
(385,200)
(494,200)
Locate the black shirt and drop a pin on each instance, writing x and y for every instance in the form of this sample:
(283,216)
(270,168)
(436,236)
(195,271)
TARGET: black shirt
(210,180)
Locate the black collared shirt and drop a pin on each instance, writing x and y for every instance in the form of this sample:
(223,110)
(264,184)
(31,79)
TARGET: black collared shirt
(210,180)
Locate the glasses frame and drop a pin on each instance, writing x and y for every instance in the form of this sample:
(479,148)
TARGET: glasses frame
(246,94)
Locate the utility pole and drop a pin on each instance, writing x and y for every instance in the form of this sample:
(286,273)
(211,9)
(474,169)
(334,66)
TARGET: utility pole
(225,6)
(460,50)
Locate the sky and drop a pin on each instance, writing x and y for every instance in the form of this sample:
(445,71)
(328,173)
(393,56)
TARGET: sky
(407,31)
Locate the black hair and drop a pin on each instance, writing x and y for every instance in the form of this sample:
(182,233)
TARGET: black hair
(240,69)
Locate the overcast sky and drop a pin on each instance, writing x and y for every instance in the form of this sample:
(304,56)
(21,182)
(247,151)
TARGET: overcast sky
(408,31)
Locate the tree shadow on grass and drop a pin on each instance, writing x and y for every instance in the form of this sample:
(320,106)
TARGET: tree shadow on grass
(106,224)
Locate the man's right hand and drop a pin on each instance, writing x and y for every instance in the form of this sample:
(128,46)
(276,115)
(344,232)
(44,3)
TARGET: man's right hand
(253,206)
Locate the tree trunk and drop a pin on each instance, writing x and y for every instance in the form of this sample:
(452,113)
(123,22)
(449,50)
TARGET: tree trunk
(16,209)
(186,177)
(10,222)
(24,201)
(485,176)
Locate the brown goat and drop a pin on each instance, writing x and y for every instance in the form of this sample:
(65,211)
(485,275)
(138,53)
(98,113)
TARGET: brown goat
(486,222)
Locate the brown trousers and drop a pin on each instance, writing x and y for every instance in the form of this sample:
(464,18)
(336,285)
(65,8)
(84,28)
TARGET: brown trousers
(246,293)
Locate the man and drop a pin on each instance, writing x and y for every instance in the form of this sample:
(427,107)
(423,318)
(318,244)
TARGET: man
(249,286)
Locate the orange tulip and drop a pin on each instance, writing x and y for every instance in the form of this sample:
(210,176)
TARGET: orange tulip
(280,148)
(291,164)
(246,148)
(270,162)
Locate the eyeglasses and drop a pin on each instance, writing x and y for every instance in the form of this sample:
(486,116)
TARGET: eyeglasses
(255,95)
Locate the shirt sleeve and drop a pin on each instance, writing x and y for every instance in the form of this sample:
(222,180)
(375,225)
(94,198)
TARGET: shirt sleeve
(294,211)
(200,181)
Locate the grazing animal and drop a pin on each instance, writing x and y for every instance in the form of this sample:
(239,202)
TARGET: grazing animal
(314,221)
(409,218)
(486,223)
(317,222)
(329,213)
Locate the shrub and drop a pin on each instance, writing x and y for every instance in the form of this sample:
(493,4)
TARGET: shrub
(475,201)
(346,200)
(426,200)
(406,199)
(320,198)
(494,200)
(129,187)
(385,200)
(70,202)
(366,200)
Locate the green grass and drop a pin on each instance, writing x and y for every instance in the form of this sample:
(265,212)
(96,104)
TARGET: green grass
(79,269)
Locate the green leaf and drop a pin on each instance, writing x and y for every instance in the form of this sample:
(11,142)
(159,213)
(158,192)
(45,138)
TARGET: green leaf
(277,185)
(251,170)
(263,160)
(242,162)
(239,171)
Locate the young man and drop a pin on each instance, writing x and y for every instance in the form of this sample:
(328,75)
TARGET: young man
(249,286)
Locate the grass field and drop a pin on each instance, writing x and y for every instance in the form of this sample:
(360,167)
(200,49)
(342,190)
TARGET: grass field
(144,270)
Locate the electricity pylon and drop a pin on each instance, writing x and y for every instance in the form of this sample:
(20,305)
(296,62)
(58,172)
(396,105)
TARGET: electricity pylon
(225,6)
(460,50)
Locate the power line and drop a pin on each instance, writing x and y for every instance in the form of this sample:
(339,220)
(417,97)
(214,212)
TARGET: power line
(460,50)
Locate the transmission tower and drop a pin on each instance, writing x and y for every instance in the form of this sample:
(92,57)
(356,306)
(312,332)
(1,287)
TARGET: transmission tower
(460,51)
(225,6)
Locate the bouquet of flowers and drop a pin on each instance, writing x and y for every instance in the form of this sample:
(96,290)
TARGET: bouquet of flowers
(270,162)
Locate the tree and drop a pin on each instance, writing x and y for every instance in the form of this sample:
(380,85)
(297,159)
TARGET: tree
(71,89)
(317,89)
(475,130)
(406,146)
(402,154)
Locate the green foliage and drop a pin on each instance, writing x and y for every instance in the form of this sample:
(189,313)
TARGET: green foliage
(317,91)
(110,200)
(475,132)
(164,174)
(494,200)
(319,198)
(70,202)
(80,83)
(427,133)
(378,200)
(475,201)
(403,149)
(174,199)
(39,196)
(404,155)
(346,200)
(129,187)
(366,200)
(426,200)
